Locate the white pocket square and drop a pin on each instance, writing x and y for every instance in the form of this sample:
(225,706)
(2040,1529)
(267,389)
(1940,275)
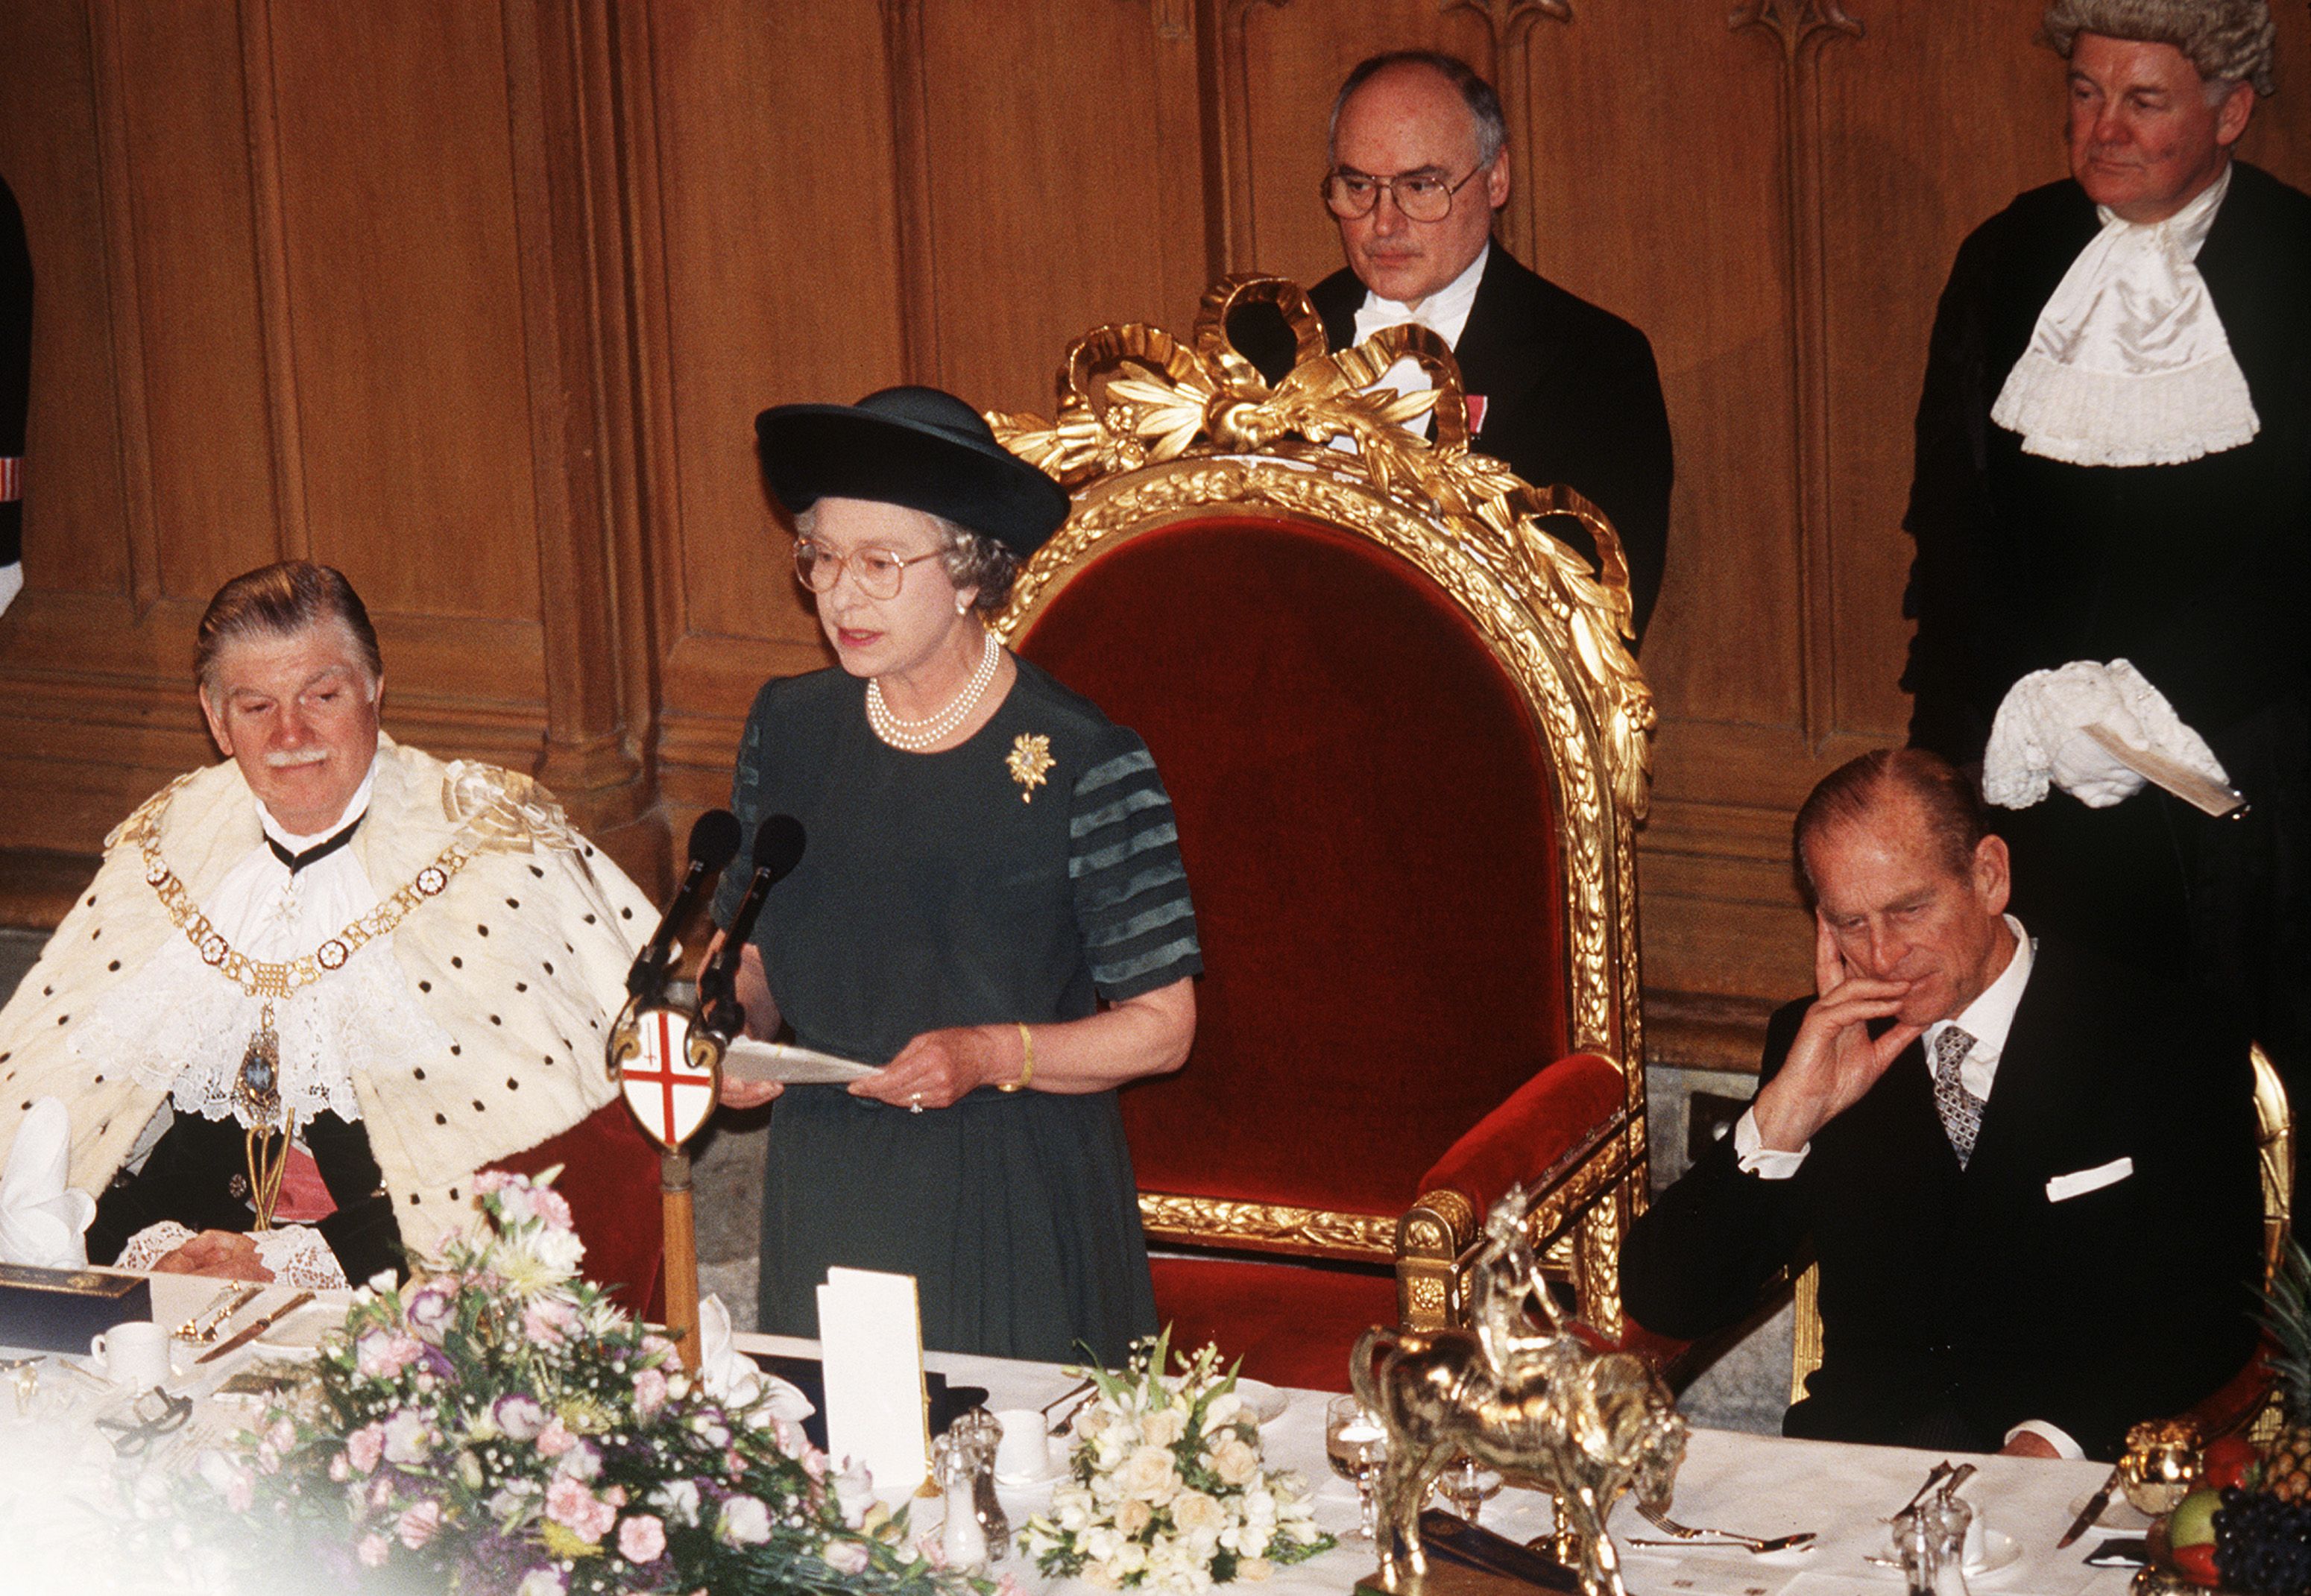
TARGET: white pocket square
(2063,1188)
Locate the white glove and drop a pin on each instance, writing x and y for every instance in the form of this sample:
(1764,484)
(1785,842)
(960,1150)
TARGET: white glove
(2040,734)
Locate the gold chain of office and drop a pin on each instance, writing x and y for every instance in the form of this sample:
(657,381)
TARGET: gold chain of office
(261,978)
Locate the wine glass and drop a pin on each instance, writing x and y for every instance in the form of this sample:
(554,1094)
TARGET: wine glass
(1356,1446)
(1467,1485)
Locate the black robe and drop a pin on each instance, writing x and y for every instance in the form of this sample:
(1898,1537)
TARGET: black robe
(2199,573)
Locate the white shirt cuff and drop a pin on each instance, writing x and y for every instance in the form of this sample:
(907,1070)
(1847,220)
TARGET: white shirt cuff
(2053,1435)
(1766,1163)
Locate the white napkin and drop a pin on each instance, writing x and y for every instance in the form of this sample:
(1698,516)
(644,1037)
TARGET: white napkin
(2040,735)
(41,1221)
(730,1376)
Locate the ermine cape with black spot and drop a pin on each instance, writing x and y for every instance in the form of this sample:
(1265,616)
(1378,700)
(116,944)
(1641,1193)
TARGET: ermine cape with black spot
(521,959)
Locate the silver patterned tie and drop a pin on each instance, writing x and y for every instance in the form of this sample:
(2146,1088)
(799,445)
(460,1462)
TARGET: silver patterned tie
(1960,1110)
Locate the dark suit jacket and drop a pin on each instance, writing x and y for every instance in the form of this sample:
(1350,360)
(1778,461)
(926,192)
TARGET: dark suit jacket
(1955,1303)
(1571,396)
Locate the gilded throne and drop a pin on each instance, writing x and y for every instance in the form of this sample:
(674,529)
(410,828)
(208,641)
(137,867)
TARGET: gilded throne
(1407,746)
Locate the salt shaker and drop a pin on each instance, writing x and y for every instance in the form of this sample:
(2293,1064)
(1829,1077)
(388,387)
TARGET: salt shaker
(963,1542)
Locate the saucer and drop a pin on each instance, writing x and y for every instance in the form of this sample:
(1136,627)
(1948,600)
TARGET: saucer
(1055,1467)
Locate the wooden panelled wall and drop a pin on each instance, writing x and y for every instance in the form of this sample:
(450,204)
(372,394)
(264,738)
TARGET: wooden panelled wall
(477,301)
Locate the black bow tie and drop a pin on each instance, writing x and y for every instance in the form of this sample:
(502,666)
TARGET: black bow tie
(318,850)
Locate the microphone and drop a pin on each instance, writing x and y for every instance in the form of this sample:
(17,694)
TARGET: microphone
(713,843)
(778,849)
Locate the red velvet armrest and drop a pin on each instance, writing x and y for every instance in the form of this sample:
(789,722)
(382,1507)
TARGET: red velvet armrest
(1549,1116)
(2235,1404)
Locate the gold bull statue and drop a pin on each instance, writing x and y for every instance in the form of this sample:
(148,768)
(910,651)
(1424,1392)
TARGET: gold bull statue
(1533,1403)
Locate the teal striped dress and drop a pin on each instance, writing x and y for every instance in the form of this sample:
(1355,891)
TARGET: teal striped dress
(1027,875)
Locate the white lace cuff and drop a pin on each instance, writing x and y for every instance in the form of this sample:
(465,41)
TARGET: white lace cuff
(296,1253)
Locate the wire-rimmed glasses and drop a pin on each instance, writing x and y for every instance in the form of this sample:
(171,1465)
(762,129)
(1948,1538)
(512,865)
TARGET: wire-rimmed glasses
(1423,196)
(877,572)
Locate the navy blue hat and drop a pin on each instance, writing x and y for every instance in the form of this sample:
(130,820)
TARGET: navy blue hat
(917,447)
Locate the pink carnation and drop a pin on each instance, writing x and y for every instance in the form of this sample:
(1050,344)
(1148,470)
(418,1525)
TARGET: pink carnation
(379,1355)
(642,1538)
(551,1206)
(650,1392)
(417,1525)
(845,1556)
(373,1550)
(578,1510)
(556,1438)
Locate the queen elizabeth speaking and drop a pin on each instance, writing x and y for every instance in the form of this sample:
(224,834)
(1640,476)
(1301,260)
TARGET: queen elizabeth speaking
(992,907)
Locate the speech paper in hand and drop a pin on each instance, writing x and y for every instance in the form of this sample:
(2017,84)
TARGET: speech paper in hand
(747,1059)
(870,1338)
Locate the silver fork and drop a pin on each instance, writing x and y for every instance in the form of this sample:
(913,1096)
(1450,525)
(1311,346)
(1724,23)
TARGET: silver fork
(1682,1534)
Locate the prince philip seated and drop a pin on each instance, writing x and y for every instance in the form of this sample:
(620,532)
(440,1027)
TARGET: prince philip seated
(316,987)
(2028,1177)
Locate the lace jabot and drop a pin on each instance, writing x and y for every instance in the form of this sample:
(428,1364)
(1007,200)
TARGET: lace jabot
(2129,364)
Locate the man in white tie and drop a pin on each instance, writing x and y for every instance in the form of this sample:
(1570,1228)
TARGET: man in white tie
(2112,511)
(322,982)
(2029,1177)
(1565,392)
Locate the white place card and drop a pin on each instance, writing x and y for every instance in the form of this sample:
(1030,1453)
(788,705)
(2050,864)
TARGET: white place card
(870,1338)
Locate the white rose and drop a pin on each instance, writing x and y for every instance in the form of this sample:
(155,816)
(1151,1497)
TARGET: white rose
(1148,1474)
(1196,1514)
(1165,1428)
(1223,1411)
(1254,1569)
(1134,1516)
(1235,1461)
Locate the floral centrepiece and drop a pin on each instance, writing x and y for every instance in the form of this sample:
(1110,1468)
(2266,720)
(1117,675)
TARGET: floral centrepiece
(1167,1489)
(500,1426)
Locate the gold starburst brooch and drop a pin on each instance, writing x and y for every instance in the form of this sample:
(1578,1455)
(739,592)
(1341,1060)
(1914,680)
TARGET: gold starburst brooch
(1030,760)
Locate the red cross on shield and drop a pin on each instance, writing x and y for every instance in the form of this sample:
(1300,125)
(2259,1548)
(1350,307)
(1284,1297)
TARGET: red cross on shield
(672,1095)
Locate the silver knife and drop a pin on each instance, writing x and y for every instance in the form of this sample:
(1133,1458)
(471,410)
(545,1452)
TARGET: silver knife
(2090,1512)
(251,1332)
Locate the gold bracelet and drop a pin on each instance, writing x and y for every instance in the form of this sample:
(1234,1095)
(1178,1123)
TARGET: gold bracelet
(1026,1060)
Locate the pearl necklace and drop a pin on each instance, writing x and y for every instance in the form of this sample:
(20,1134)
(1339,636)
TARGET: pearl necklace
(915,736)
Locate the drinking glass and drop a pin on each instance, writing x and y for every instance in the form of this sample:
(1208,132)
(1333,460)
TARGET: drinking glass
(1467,1485)
(1356,1446)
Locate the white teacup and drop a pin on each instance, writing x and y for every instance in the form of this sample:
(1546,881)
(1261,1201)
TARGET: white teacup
(1024,1451)
(134,1354)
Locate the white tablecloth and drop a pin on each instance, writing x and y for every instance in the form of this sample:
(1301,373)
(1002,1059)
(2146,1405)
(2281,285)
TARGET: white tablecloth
(1758,1485)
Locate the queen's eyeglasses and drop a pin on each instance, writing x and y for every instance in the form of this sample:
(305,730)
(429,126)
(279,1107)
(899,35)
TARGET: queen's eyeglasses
(877,572)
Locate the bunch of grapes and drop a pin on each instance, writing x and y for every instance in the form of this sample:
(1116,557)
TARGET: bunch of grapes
(2263,1545)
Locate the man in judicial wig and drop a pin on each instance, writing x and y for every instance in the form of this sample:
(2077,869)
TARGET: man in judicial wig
(1562,392)
(2029,1177)
(2112,509)
(407,966)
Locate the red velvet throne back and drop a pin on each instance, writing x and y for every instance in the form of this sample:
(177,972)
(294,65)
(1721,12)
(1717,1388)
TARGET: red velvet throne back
(1367,816)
